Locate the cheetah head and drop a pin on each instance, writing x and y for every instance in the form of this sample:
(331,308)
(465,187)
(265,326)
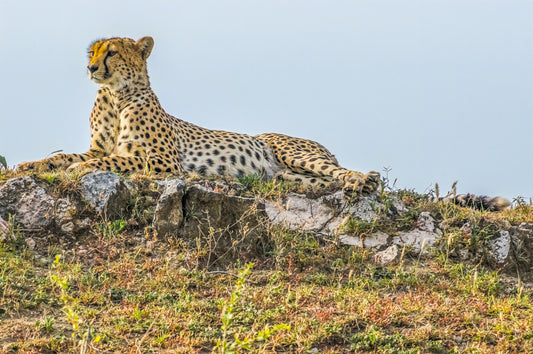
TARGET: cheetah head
(119,62)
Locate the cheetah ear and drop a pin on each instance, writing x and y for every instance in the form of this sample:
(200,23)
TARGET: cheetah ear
(145,45)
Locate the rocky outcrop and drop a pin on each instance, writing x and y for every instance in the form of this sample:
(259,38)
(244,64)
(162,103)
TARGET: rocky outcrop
(212,215)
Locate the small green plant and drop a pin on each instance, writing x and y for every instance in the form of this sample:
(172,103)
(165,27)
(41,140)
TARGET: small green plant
(359,227)
(385,191)
(250,181)
(3,163)
(69,302)
(268,189)
(13,238)
(373,338)
(51,178)
(47,324)
(228,314)
(111,228)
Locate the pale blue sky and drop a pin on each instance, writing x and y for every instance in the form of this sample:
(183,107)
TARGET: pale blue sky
(437,90)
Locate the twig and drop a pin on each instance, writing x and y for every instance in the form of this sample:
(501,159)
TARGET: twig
(144,337)
(85,346)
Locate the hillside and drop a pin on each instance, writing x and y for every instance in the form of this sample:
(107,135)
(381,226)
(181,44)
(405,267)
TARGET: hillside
(107,263)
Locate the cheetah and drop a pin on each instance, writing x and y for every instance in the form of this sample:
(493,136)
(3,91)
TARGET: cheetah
(130,132)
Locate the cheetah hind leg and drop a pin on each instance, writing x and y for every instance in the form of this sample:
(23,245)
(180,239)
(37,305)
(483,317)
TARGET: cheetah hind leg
(307,181)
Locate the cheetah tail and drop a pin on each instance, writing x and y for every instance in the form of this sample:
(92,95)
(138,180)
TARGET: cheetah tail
(481,202)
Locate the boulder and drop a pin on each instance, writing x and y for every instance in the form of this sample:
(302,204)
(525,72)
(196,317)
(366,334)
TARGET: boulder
(498,248)
(68,215)
(104,192)
(374,240)
(226,226)
(521,247)
(387,256)
(168,217)
(28,202)
(296,212)
(366,208)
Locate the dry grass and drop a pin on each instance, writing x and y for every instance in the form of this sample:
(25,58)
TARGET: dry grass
(329,298)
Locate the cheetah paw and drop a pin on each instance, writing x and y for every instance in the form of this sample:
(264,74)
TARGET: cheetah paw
(354,184)
(372,181)
(26,166)
(362,184)
(31,166)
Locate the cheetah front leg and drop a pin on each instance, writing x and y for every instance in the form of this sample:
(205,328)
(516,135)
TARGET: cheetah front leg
(59,161)
(123,164)
(127,164)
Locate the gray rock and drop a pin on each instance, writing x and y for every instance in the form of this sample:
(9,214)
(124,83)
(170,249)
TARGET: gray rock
(218,210)
(335,225)
(65,215)
(335,200)
(417,239)
(398,205)
(387,256)
(499,247)
(104,192)
(297,212)
(425,235)
(366,208)
(374,240)
(425,222)
(327,215)
(168,216)
(27,201)
(521,253)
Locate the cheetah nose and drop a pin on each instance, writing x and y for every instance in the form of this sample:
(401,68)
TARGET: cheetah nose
(92,68)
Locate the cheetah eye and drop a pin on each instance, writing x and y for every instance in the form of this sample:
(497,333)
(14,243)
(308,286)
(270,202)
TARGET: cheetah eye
(112,52)
(91,54)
